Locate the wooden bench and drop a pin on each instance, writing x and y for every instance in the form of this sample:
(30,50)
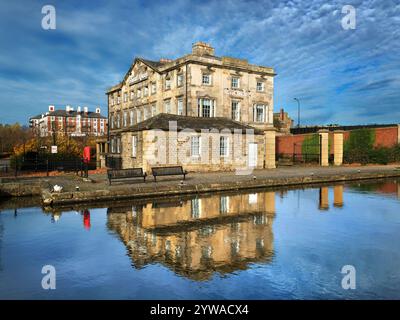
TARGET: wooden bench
(168,171)
(126,174)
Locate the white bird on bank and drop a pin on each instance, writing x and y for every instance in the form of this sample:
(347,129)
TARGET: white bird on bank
(57,188)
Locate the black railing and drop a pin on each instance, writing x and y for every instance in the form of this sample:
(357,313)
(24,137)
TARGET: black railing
(297,158)
(21,166)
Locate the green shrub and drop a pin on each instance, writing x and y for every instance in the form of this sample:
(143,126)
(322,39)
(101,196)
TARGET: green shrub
(359,146)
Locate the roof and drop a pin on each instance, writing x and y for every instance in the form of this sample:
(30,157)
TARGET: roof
(153,64)
(63,113)
(39,116)
(161,121)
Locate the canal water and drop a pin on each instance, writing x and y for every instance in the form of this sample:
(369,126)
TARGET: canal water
(250,245)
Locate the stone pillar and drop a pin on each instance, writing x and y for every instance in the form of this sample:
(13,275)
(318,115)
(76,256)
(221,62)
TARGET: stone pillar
(98,164)
(324,198)
(338,196)
(324,147)
(338,147)
(269,143)
(398,133)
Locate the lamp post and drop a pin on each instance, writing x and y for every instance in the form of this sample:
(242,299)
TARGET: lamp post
(298,112)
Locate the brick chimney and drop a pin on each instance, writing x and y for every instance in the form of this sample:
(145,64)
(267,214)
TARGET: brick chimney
(282,114)
(202,48)
(165,60)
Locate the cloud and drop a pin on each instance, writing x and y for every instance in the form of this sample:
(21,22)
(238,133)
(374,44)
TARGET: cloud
(338,75)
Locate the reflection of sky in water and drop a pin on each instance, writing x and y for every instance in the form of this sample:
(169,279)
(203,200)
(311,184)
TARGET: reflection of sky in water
(308,246)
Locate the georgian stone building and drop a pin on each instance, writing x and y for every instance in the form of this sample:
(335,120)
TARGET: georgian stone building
(199,88)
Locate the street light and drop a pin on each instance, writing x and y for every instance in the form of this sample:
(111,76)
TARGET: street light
(298,112)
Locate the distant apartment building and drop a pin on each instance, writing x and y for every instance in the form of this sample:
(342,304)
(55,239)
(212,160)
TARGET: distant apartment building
(75,123)
(197,91)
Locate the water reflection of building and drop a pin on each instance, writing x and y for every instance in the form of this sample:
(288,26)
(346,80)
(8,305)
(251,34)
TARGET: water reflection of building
(200,236)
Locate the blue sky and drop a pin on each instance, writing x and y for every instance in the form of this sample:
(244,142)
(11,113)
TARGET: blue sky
(341,76)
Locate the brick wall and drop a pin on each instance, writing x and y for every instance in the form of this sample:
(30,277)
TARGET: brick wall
(384,137)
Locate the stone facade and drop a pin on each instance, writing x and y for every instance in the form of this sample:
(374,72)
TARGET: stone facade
(199,84)
(152,151)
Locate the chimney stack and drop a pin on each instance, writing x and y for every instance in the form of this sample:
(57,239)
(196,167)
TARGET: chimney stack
(78,109)
(85,110)
(51,108)
(165,60)
(202,48)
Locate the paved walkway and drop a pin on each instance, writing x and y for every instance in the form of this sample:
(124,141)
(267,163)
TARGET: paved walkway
(100,182)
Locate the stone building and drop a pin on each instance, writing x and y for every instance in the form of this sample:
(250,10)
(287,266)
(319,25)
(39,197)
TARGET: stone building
(69,122)
(199,89)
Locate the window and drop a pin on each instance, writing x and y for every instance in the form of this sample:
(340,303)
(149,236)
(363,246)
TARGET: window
(125,118)
(195,208)
(131,117)
(125,96)
(146,113)
(224,204)
(118,145)
(180,106)
(139,116)
(146,91)
(235,82)
(132,95)
(206,108)
(223,146)
(206,78)
(118,100)
(167,83)
(111,101)
(134,146)
(112,142)
(259,114)
(253,198)
(260,86)
(153,110)
(179,80)
(118,120)
(139,93)
(236,110)
(195,146)
(167,106)
(112,120)
(153,88)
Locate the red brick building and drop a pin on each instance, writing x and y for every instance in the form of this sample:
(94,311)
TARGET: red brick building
(75,123)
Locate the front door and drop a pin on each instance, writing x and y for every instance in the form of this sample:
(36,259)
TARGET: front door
(253,155)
